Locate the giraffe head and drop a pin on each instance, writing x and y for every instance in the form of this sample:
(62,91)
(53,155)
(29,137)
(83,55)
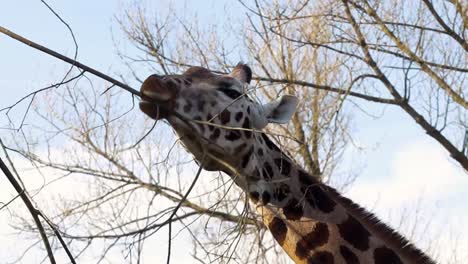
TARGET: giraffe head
(222,117)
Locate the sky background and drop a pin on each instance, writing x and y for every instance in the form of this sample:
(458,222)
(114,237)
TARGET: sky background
(400,169)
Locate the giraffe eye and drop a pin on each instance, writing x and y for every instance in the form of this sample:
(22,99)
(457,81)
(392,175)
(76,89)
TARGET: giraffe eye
(230,93)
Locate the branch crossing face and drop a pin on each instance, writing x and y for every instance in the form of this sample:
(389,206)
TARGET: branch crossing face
(222,127)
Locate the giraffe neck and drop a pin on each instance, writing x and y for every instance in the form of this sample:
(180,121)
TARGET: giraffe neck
(312,221)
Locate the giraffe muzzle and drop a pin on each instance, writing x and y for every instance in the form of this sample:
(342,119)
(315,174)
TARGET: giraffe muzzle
(158,96)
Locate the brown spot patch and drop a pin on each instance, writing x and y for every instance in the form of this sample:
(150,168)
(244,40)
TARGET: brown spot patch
(317,198)
(238,116)
(384,255)
(265,198)
(348,255)
(260,152)
(246,158)
(225,117)
(215,134)
(201,105)
(278,229)
(246,125)
(314,193)
(354,233)
(321,257)
(306,179)
(280,193)
(233,135)
(316,238)
(255,196)
(293,210)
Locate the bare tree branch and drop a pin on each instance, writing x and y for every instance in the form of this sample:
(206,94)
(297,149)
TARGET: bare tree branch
(32,210)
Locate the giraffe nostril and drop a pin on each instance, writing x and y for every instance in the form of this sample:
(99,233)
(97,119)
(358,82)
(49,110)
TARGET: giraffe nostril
(159,89)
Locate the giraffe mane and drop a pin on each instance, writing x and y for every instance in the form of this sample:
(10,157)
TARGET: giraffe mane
(381,229)
(371,222)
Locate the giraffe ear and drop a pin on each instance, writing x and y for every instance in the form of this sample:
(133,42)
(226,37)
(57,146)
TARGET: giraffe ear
(242,73)
(281,110)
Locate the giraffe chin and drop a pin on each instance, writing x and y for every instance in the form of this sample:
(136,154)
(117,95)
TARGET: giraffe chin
(153,110)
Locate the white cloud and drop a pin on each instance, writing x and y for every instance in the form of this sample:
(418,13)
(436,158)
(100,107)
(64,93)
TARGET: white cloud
(425,189)
(418,169)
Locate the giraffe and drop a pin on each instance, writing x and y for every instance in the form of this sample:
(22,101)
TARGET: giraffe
(222,127)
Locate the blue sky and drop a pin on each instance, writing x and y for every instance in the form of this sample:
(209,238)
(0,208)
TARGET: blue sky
(396,156)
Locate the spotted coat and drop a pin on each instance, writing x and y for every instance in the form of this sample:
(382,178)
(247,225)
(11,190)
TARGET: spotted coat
(222,127)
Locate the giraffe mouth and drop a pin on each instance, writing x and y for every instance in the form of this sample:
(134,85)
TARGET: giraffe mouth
(155,110)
